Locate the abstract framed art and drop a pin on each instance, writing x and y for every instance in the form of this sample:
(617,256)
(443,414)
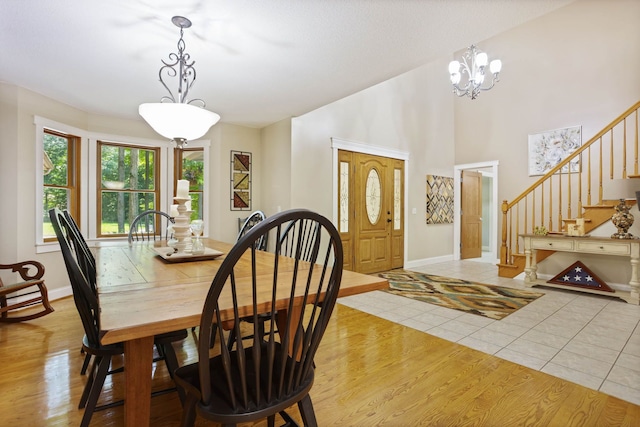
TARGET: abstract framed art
(439,199)
(547,149)
(240,181)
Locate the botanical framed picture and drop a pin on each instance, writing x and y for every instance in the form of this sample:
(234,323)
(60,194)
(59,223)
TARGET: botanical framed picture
(240,181)
(547,149)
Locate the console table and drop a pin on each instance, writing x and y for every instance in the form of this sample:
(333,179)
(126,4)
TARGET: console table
(588,245)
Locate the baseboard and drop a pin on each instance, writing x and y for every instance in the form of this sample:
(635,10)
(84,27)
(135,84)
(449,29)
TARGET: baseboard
(427,261)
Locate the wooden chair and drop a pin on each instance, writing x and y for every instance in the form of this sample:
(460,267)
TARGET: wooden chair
(33,283)
(261,244)
(80,266)
(252,220)
(263,379)
(150,225)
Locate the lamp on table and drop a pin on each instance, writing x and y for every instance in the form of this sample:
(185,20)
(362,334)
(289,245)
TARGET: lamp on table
(621,189)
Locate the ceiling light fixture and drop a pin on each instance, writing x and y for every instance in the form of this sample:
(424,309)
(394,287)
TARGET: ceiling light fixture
(177,118)
(474,64)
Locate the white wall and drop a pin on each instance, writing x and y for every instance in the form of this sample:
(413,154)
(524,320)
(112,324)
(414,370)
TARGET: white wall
(276,167)
(576,66)
(412,113)
(18,107)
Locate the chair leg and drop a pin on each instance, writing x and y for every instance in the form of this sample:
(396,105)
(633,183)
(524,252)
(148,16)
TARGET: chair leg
(171,360)
(85,364)
(306,411)
(189,411)
(96,388)
(89,384)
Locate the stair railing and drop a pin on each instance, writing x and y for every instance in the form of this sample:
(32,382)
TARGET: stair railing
(560,196)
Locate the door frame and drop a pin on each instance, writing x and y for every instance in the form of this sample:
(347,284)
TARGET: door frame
(457,185)
(360,147)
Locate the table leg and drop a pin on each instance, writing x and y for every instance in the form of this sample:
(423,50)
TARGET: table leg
(138,361)
(530,266)
(282,320)
(634,283)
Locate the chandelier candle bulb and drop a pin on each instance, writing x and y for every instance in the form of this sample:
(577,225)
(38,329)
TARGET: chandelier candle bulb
(182,190)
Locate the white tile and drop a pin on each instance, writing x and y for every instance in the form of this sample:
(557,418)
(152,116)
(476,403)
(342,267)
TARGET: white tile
(493,337)
(625,376)
(582,363)
(555,329)
(572,375)
(534,349)
(632,348)
(629,361)
(460,327)
(479,345)
(447,312)
(611,341)
(414,324)
(431,319)
(595,352)
(507,328)
(446,334)
(622,392)
(554,341)
(474,319)
(521,358)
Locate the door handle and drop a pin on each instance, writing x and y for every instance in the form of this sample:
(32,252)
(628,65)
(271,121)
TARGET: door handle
(388,219)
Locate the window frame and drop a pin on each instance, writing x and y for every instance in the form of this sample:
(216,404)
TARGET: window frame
(157,177)
(88,177)
(74,183)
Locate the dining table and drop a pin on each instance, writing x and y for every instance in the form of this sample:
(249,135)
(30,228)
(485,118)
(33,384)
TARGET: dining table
(143,293)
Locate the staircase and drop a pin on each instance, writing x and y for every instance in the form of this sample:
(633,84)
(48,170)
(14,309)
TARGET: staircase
(556,199)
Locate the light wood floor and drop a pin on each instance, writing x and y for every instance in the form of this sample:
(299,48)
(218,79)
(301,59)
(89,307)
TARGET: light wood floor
(370,372)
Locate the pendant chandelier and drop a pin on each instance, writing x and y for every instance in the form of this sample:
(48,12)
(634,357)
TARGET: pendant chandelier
(474,63)
(178,117)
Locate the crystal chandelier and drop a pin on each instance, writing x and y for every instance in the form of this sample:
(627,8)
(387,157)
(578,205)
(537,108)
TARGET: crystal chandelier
(473,65)
(177,118)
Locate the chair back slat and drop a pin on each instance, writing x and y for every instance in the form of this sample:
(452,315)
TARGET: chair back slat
(150,225)
(269,370)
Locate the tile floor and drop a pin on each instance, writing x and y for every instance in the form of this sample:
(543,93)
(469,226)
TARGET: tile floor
(587,339)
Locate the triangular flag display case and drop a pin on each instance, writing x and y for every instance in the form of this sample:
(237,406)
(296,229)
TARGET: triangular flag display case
(580,276)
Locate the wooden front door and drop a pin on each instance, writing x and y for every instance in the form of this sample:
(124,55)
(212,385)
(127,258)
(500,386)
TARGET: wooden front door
(471,215)
(371,211)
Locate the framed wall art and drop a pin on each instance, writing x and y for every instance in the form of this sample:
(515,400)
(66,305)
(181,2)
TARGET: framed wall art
(439,199)
(547,149)
(240,181)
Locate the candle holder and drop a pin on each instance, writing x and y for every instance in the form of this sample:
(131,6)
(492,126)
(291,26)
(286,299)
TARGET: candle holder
(181,227)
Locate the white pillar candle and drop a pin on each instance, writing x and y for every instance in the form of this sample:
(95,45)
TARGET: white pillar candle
(174,211)
(183,189)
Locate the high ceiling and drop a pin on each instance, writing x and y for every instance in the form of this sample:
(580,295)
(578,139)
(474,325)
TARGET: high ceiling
(257,61)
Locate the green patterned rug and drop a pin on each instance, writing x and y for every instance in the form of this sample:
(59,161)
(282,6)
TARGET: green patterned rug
(494,302)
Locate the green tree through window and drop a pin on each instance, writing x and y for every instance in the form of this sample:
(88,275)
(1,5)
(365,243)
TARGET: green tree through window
(128,185)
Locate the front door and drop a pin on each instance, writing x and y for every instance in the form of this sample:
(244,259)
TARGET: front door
(471,215)
(371,211)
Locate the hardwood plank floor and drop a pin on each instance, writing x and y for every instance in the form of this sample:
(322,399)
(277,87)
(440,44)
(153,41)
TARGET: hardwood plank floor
(370,372)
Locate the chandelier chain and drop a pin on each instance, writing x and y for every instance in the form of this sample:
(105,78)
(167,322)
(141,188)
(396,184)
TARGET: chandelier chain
(179,65)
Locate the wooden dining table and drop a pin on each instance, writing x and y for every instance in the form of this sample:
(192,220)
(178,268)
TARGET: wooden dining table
(142,295)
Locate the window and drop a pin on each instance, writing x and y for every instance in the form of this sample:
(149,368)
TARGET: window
(105,180)
(190,166)
(128,183)
(60,177)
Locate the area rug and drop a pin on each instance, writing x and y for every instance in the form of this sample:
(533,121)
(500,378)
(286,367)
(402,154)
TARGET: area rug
(494,302)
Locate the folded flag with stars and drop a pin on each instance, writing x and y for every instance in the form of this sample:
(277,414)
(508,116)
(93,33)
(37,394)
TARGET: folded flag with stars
(580,276)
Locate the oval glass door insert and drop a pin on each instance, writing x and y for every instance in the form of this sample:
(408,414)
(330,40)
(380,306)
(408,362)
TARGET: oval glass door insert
(372,196)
